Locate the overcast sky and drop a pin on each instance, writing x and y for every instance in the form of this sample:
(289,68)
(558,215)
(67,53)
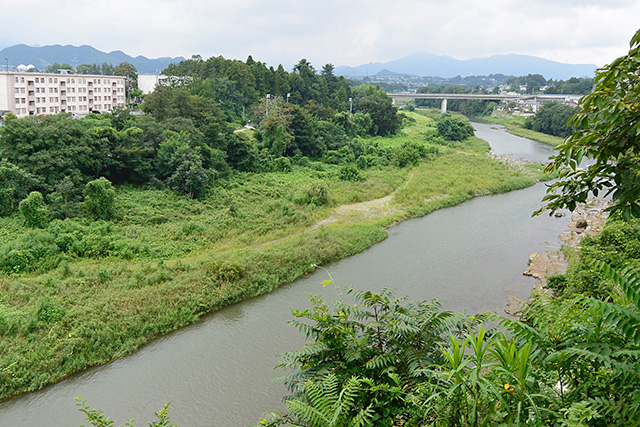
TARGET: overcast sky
(341,32)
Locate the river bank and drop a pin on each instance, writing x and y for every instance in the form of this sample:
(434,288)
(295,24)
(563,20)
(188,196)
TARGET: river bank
(514,125)
(219,370)
(587,220)
(87,312)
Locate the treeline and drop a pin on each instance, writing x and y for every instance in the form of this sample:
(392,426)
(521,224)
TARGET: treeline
(104,69)
(245,90)
(552,118)
(534,83)
(468,107)
(185,140)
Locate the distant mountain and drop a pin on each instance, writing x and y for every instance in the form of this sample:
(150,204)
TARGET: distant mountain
(426,64)
(44,56)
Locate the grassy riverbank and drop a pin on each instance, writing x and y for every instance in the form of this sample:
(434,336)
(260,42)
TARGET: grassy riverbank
(166,260)
(514,125)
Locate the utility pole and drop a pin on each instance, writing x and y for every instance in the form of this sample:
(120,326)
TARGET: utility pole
(7,61)
(267,104)
(350,107)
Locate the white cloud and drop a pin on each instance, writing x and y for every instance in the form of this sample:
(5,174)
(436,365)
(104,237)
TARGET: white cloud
(340,32)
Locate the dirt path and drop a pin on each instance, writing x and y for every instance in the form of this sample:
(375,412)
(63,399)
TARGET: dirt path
(371,209)
(362,211)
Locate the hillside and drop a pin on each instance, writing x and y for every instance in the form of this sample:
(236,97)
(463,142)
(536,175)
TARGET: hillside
(44,56)
(425,64)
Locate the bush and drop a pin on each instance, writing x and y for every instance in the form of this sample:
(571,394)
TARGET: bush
(454,128)
(281,164)
(99,199)
(350,172)
(35,212)
(318,193)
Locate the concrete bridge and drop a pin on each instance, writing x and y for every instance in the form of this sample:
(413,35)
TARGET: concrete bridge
(565,99)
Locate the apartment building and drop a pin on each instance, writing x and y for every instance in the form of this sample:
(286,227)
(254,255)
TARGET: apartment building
(29,94)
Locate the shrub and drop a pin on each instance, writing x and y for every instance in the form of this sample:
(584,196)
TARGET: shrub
(100,198)
(281,164)
(35,212)
(318,193)
(350,172)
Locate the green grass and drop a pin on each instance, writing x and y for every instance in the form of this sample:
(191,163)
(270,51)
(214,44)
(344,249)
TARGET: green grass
(166,260)
(513,124)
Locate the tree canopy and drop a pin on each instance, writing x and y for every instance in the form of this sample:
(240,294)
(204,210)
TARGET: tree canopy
(607,133)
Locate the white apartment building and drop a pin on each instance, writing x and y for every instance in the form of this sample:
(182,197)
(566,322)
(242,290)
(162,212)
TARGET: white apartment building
(33,94)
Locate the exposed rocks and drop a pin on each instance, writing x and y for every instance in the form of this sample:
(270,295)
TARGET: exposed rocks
(586,220)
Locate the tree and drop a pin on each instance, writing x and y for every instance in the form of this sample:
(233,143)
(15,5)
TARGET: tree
(372,100)
(130,72)
(274,135)
(15,184)
(454,128)
(55,68)
(88,69)
(607,131)
(35,212)
(189,178)
(100,198)
(56,146)
(552,119)
(106,69)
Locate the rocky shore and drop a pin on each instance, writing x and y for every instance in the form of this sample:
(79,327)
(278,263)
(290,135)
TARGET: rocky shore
(586,220)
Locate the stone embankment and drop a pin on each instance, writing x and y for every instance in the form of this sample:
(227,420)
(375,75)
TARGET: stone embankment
(586,220)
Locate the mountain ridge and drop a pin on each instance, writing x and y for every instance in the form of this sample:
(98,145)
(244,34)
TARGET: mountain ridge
(43,56)
(427,64)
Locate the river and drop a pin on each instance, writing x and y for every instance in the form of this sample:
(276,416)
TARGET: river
(218,372)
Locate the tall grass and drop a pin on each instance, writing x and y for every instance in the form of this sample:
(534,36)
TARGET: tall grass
(87,292)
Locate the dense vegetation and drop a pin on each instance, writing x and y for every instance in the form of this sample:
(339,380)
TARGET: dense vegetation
(570,360)
(106,250)
(468,107)
(552,119)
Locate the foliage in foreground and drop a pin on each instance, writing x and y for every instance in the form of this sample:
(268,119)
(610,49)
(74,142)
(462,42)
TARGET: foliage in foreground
(567,362)
(97,418)
(606,131)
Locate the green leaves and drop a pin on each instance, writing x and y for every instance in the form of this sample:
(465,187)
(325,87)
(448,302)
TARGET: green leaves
(607,131)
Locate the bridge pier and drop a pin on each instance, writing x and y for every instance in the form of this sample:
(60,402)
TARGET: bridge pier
(443,106)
